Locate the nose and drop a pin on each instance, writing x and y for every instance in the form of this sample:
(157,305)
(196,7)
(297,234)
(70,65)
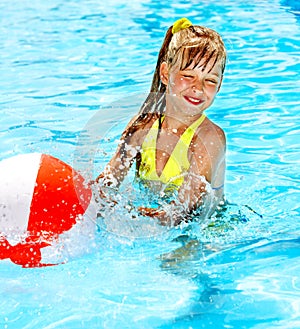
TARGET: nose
(197,86)
(197,90)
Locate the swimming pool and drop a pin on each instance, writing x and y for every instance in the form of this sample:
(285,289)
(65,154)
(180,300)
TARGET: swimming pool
(63,64)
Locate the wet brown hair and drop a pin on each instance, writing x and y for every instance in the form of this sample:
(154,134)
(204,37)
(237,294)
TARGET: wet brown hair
(196,43)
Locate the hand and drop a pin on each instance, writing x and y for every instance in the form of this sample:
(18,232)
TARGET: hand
(101,194)
(157,213)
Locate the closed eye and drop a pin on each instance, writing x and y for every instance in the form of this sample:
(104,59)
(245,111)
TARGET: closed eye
(187,76)
(212,81)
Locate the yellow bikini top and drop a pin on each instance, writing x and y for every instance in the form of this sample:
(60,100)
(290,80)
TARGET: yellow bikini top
(177,163)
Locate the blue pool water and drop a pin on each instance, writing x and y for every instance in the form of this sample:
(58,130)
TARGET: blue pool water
(68,64)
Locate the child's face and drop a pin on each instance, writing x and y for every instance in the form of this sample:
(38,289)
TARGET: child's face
(194,88)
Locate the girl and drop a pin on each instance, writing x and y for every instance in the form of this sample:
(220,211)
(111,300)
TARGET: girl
(175,146)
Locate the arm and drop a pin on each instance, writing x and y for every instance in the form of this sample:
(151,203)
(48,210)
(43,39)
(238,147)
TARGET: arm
(204,185)
(117,168)
(115,171)
(107,183)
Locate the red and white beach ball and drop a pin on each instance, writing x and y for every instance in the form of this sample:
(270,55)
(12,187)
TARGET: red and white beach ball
(41,197)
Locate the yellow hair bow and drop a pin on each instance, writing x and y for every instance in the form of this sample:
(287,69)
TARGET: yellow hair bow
(181,24)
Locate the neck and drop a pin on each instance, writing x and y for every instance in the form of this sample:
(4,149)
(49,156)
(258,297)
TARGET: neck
(176,117)
(179,121)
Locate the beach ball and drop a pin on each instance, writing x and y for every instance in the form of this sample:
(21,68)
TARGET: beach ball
(41,197)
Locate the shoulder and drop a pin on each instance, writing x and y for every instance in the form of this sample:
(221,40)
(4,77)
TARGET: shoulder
(210,133)
(209,141)
(137,129)
(213,130)
(142,121)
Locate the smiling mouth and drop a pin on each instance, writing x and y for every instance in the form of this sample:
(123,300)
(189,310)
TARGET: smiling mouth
(194,101)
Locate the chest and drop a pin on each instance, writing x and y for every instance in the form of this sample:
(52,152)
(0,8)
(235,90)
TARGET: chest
(169,145)
(165,152)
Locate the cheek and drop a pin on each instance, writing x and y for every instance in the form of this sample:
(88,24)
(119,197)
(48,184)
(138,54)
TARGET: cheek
(211,90)
(178,83)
